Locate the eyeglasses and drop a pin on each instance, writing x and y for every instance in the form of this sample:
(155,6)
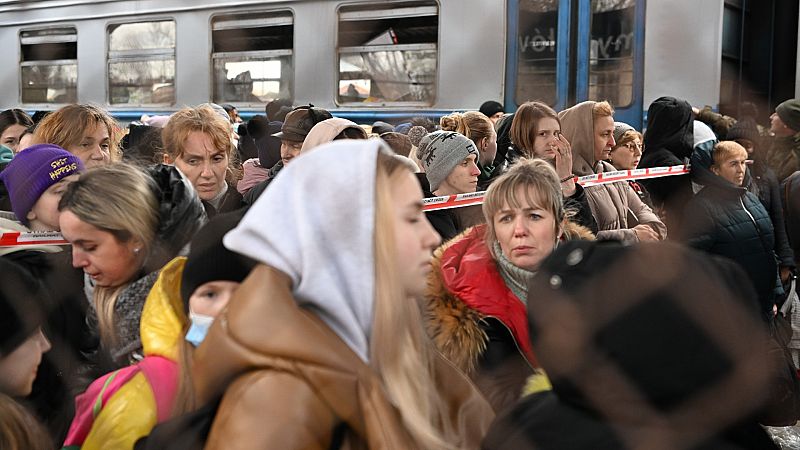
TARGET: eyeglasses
(632,146)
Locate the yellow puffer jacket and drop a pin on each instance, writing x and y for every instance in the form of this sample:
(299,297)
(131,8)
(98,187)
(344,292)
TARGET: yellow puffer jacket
(115,414)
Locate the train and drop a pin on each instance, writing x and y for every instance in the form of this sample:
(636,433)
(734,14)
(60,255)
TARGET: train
(370,60)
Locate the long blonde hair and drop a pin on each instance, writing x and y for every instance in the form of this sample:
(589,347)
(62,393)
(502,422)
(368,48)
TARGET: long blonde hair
(19,430)
(120,199)
(472,124)
(400,351)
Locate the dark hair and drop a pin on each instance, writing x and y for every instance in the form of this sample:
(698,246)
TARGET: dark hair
(277,109)
(424,122)
(14,117)
(352,132)
(257,126)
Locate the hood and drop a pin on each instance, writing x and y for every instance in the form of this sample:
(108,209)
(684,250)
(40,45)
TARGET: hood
(163,317)
(504,143)
(312,235)
(702,160)
(633,345)
(180,214)
(326,131)
(577,125)
(669,126)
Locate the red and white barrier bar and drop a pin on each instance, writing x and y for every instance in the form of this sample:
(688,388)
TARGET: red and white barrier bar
(18,239)
(476,198)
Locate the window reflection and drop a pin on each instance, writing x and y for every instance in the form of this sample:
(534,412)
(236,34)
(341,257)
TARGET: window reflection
(50,83)
(611,52)
(141,63)
(536,51)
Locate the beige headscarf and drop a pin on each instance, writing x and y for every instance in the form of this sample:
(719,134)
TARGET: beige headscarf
(577,125)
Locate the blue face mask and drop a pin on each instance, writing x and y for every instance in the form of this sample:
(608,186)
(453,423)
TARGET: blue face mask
(199,328)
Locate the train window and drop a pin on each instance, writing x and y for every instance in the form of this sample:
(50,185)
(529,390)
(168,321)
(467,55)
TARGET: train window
(49,68)
(141,63)
(611,52)
(536,47)
(252,57)
(388,54)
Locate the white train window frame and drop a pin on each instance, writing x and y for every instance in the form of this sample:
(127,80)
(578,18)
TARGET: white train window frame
(49,51)
(164,55)
(387,52)
(277,68)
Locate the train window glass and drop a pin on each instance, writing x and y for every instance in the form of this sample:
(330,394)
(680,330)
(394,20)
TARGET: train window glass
(536,51)
(388,53)
(49,67)
(141,63)
(611,52)
(252,57)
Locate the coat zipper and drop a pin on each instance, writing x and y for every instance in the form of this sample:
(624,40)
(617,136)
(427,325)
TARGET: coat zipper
(521,353)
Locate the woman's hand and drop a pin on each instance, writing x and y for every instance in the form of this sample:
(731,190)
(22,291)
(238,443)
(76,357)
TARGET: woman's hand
(563,162)
(645,233)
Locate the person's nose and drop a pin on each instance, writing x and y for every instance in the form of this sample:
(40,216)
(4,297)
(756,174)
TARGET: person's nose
(207,172)
(520,229)
(473,169)
(79,259)
(430,238)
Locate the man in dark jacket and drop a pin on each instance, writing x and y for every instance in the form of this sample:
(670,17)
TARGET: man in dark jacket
(725,219)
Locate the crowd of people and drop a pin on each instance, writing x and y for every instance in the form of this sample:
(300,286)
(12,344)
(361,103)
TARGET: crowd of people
(200,281)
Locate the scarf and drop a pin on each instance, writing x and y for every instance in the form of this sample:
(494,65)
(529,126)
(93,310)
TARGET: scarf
(516,278)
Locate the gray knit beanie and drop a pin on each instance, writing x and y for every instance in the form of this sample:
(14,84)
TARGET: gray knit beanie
(620,128)
(441,152)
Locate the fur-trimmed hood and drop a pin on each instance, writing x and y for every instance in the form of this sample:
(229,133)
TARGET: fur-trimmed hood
(453,321)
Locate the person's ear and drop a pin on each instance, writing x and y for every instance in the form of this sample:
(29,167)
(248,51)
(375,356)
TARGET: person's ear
(714,170)
(31,216)
(167,159)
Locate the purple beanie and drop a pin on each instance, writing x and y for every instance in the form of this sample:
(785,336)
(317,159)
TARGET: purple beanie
(32,171)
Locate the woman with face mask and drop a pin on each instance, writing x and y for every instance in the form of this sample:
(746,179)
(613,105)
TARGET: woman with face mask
(478,287)
(323,345)
(188,295)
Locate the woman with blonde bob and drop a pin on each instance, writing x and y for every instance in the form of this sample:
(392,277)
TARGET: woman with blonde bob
(337,357)
(85,130)
(477,290)
(197,140)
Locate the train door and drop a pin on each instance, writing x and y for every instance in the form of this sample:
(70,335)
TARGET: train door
(563,52)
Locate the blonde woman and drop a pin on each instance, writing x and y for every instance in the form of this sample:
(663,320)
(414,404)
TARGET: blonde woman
(480,130)
(121,236)
(477,290)
(85,130)
(322,346)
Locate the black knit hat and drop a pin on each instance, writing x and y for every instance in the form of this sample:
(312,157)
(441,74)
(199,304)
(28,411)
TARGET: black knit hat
(789,112)
(744,129)
(490,108)
(209,260)
(22,301)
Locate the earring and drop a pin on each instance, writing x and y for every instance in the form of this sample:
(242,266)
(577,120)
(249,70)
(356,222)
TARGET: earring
(137,250)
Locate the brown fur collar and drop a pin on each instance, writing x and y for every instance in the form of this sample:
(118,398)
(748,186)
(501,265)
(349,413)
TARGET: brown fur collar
(454,327)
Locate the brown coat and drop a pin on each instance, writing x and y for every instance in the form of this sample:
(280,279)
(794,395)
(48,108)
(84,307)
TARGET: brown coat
(289,381)
(616,207)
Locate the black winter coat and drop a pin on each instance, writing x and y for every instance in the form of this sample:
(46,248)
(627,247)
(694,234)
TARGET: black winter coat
(764,184)
(726,220)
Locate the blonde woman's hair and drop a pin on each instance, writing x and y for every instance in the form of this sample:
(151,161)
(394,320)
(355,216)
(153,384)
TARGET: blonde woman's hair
(202,119)
(472,124)
(602,109)
(120,199)
(725,150)
(19,430)
(525,124)
(400,351)
(541,187)
(66,126)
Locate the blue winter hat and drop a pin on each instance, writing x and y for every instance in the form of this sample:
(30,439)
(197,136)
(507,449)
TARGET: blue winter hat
(32,171)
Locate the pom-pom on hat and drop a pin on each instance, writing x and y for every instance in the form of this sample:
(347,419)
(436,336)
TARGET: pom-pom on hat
(33,171)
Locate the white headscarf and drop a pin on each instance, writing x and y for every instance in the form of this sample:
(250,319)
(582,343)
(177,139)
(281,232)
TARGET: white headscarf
(315,222)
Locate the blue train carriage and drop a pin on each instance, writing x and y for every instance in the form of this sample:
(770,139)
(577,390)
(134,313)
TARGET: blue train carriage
(364,60)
